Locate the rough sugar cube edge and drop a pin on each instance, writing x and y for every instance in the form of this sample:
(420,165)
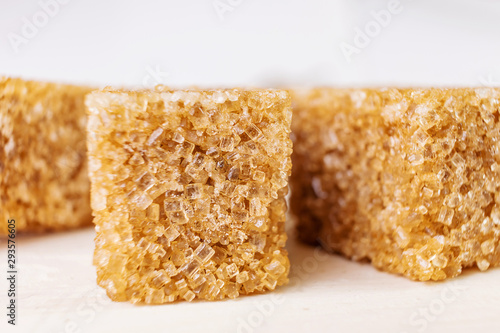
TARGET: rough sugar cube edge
(188,192)
(407,178)
(43,164)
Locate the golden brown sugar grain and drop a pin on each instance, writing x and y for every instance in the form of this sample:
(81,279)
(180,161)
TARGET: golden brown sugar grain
(188,192)
(407,178)
(43,169)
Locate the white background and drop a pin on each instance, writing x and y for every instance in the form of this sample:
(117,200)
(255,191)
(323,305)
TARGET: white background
(255,43)
(264,43)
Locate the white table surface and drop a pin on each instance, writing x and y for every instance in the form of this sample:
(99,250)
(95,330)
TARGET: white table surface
(58,293)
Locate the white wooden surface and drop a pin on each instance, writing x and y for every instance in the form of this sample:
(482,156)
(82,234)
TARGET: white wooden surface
(58,293)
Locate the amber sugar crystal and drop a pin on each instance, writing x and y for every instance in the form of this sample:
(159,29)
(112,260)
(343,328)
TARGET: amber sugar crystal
(188,192)
(407,178)
(43,168)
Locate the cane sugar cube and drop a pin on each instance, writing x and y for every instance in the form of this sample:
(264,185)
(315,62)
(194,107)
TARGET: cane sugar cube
(43,164)
(188,192)
(407,178)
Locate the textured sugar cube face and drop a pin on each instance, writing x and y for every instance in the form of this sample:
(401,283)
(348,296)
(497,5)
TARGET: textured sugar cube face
(43,169)
(405,178)
(188,192)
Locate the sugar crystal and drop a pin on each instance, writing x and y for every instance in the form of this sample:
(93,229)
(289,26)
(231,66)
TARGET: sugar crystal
(406,178)
(191,204)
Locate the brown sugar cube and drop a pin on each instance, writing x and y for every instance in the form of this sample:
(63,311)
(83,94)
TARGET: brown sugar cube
(406,178)
(43,169)
(188,192)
